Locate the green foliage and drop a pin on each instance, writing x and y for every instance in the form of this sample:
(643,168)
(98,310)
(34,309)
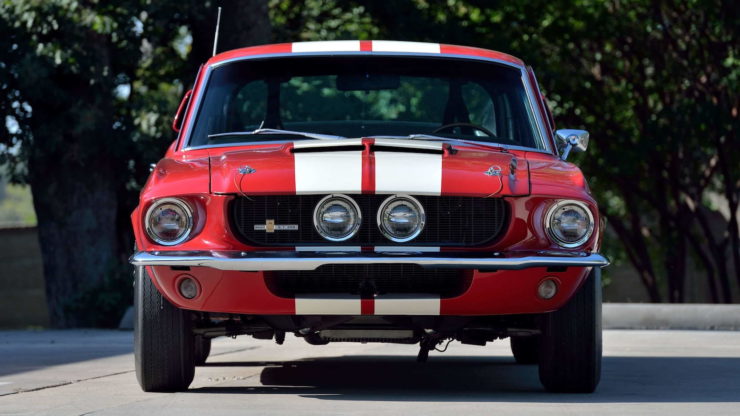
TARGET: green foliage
(656,83)
(307,20)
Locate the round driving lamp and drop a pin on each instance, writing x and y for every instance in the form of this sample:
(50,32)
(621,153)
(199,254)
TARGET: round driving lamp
(337,218)
(169,221)
(401,218)
(569,223)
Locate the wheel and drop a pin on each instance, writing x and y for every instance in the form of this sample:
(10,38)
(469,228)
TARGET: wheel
(202,349)
(570,350)
(526,349)
(164,343)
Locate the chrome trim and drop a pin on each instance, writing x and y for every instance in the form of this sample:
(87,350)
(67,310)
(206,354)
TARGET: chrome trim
(286,260)
(571,141)
(542,132)
(318,143)
(175,201)
(351,202)
(241,144)
(407,143)
(541,129)
(548,225)
(419,209)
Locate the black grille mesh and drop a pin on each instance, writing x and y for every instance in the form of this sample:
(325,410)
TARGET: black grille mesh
(450,220)
(369,280)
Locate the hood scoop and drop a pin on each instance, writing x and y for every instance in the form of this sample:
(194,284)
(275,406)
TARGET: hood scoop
(372,145)
(370,166)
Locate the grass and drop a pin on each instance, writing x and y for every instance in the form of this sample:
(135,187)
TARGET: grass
(16,206)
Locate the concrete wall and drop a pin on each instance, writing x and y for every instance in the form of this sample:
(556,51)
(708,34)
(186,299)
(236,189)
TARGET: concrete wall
(22,294)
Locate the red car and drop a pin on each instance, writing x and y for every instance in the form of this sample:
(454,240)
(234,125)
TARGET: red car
(368,191)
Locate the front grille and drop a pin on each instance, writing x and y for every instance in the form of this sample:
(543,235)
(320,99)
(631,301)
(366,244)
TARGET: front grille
(369,280)
(450,221)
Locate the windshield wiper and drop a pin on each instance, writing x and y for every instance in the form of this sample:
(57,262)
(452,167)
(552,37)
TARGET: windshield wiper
(308,135)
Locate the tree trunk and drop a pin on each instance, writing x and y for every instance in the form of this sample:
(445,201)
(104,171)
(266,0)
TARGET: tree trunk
(244,23)
(637,253)
(76,210)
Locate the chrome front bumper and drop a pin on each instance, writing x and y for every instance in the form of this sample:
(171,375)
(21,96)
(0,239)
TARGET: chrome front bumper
(287,260)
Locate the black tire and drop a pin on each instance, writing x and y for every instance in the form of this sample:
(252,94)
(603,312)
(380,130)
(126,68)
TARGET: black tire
(202,349)
(570,351)
(164,343)
(526,349)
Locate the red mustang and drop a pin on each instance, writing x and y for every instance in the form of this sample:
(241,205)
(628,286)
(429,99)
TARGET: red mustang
(368,191)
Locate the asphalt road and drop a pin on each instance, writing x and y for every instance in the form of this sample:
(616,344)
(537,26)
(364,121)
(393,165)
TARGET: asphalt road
(91,372)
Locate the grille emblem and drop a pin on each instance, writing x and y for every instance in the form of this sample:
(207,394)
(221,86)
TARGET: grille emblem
(270,227)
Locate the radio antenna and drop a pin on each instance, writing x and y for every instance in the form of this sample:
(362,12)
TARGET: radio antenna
(215,38)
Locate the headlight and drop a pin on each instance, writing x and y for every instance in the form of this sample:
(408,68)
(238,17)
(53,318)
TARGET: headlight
(337,218)
(401,218)
(569,223)
(169,221)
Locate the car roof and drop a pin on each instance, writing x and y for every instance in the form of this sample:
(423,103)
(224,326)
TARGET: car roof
(364,46)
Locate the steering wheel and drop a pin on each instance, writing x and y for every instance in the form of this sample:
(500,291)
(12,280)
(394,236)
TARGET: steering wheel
(439,129)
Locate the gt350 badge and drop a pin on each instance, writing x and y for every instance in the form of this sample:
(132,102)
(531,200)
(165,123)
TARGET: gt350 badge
(270,227)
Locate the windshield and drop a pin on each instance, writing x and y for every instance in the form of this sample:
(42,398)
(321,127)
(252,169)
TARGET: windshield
(364,96)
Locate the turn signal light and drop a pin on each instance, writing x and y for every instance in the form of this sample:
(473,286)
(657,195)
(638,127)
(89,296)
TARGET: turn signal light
(188,287)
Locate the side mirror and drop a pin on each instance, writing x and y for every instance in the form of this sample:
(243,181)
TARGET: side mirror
(571,140)
(180,115)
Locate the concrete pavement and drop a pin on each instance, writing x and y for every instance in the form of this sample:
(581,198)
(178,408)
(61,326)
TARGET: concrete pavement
(91,372)
(671,316)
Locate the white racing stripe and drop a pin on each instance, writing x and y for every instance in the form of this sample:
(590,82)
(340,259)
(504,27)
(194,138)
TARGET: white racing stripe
(407,304)
(411,173)
(400,46)
(331,172)
(328,46)
(328,304)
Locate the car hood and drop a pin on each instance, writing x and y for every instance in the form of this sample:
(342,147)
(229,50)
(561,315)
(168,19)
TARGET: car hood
(374,165)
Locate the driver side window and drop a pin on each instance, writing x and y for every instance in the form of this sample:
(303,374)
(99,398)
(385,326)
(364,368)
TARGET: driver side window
(480,107)
(492,111)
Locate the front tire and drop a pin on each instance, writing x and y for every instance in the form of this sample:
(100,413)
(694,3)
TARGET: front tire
(202,349)
(570,351)
(163,339)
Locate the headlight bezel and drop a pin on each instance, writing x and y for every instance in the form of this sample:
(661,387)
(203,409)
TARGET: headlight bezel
(189,221)
(349,201)
(549,227)
(420,212)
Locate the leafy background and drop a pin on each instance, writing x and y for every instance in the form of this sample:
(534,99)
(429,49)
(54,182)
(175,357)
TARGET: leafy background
(89,87)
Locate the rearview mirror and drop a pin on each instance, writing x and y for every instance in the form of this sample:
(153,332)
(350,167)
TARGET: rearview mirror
(571,140)
(367,82)
(180,115)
